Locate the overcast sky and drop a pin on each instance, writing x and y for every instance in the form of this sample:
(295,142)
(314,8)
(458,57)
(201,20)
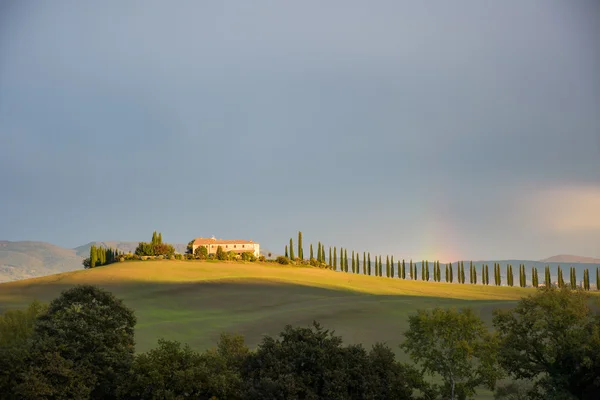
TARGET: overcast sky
(450,130)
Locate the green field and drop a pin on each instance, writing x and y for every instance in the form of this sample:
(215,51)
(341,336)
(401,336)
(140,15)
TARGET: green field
(194,301)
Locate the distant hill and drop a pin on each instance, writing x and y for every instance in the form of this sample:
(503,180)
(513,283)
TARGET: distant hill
(567,258)
(22,260)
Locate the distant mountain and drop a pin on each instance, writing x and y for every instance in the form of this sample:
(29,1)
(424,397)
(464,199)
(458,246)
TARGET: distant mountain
(567,258)
(22,260)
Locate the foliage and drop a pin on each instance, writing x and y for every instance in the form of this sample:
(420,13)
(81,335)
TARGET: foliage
(283,260)
(155,248)
(221,254)
(311,363)
(457,346)
(248,256)
(518,390)
(92,331)
(173,371)
(553,337)
(201,253)
(16,326)
(189,249)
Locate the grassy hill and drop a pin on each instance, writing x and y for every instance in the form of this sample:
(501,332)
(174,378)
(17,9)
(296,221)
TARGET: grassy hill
(194,301)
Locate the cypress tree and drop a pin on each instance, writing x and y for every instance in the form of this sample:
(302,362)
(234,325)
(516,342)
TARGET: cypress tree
(311,252)
(286,252)
(93,256)
(534,277)
(586,279)
(597,278)
(380,267)
(335,258)
(369,263)
(474,275)
(561,282)
(451,273)
(300,250)
(392,271)
(573,278)
(329,263)
(487,274)
(462,272)
(353,263)
(447,276)
(154,238)
(422,270)
(387,266)
(364,263)
(346,258)
(292,255)
(411,270)
(159,238)
(547,277)
(403,269)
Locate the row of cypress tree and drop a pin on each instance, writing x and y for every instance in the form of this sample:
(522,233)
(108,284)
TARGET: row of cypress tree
(101,256)
(340,262)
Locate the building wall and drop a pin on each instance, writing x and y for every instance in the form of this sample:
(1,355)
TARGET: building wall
(250,247)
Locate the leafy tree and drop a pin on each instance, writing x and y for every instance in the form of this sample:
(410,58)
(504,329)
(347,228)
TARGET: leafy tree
(552,338)
(176,371)
(221,254)
(189,249)
(312,363)
(16,326)
(88,331)
(201,252)
(457,346)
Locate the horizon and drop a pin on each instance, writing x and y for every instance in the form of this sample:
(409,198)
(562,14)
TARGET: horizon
(464,130)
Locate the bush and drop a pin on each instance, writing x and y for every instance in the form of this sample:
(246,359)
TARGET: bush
(201,253)
(283,260)
(262,258)
(121,259)
(248,256)
(160,257)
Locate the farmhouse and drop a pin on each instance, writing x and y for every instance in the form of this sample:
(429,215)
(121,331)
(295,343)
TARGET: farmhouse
(237,246)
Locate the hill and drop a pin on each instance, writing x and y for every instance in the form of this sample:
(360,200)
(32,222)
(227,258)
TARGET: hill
(194,301)
(22,260)
(567,258)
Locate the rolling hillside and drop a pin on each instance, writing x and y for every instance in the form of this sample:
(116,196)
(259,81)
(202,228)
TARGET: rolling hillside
(194,301)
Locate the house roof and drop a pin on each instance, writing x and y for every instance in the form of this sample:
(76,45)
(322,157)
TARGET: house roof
(204,241)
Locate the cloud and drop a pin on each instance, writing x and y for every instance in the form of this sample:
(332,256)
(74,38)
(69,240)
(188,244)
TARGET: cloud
(567,209)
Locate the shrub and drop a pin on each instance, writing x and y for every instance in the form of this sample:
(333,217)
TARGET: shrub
(121,259)
(249,256)
(201,253)
(283,260)
(160,257)
(262,258)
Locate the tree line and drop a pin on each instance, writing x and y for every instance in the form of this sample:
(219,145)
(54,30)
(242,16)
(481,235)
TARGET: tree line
(81,346)
(338,261)
(155,247)
(101,256)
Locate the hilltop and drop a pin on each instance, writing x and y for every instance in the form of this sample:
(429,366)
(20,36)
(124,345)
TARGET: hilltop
(567,258)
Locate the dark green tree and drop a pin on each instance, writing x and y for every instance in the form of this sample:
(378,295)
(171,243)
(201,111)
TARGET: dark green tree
(292,255)
(392,271)
(561,281)
(547,277)
(353,263)
(552,338)
(330,263)
(335,258)
(369,262)
(457,346)
(286,252)
(403,269)
(91,331)
(364,262)
(311,252)
(300,249)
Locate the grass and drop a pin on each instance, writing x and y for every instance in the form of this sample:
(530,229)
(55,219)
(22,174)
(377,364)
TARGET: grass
(194,301)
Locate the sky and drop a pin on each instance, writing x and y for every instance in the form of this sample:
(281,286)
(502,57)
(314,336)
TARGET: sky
(439,130)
